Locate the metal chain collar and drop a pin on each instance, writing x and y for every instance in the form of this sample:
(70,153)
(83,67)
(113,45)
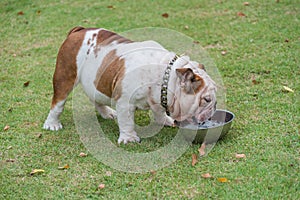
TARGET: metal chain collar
(164,85)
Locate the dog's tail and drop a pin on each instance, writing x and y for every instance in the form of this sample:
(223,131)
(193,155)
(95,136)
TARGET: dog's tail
(75,29)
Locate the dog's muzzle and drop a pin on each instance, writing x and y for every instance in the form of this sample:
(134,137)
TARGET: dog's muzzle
(206,114)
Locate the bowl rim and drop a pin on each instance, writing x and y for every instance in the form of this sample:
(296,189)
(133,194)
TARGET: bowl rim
(227,111)
(220,125)
(217,126)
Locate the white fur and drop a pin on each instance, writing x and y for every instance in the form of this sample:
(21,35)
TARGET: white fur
(52,122)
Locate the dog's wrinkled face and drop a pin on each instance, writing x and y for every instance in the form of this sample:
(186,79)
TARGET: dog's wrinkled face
(195,96)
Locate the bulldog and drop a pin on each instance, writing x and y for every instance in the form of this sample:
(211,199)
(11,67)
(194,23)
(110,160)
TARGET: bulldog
(132,75)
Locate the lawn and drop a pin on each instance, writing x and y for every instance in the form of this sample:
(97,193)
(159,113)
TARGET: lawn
(256,47)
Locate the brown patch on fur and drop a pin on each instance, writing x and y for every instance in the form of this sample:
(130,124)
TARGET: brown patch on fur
(198,83)
(66,69)
(187,73)
(106,37)
(191,82)
(109,75)
(75,29)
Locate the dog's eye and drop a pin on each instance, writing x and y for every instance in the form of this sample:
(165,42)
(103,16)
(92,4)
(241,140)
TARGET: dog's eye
(207,99)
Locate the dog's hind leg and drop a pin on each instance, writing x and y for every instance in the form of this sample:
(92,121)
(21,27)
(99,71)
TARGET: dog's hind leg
(65,76)
(106,112)
(63,83)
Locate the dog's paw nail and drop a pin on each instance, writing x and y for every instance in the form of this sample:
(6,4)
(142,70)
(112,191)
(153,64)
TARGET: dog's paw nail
(126,139)
(52,126)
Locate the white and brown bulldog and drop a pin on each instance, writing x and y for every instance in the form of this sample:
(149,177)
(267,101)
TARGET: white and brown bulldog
(132,75)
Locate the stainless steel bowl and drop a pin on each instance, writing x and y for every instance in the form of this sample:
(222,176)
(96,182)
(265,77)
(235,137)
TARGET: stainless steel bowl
(209,134)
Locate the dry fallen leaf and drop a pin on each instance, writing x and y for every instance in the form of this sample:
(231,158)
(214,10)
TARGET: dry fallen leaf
(223,53)
(153,172)
(6,128)
(287,89)
(82,154)
(238,155)
(253,80)
(108,173)
(37,171)
(129,184)
(39,135)
(64,167)
(240,14)
(26,83)
(165,15)
(194,159)
(223,180)
(202,149)
(206,175)
(101,186)
(21,13)
(111,7)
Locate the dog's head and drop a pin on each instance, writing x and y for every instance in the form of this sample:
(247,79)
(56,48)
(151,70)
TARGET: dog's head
(195,92)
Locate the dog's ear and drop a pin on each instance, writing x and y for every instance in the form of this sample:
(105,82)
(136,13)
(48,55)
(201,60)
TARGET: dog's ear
(190,82)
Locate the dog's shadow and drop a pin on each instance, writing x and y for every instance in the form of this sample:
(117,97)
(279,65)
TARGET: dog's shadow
(158,138)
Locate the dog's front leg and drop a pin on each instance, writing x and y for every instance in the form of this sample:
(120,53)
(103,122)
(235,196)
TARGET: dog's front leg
(160,115)
(125,116)
(162,118)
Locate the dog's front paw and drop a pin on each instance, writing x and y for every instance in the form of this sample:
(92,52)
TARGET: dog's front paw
(52,125)
(169,122)
(128,137)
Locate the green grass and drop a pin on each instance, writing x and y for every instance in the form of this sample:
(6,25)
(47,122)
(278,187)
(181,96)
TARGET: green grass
(265,44)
